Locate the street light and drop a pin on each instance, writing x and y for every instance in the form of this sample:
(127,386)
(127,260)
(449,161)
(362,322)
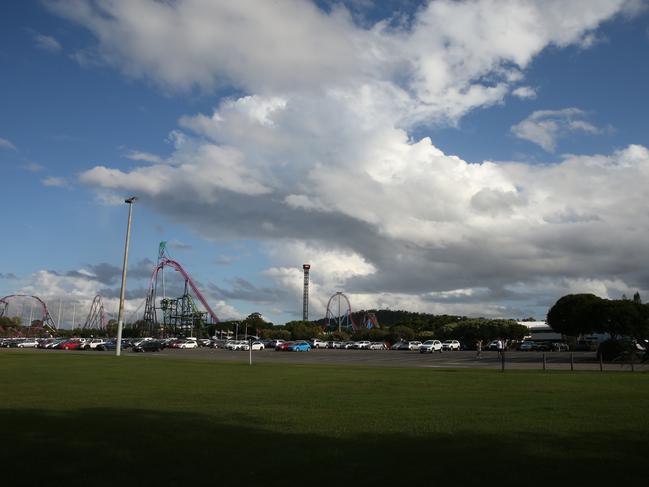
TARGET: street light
(120,316)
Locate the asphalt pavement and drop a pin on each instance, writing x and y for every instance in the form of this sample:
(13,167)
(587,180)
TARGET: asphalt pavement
(387,358)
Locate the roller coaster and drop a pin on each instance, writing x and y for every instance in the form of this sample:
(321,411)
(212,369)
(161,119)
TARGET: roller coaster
(165,316)
(45,323)
(339,316)
(96,318)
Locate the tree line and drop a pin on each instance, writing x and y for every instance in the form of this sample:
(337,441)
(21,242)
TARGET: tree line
(582,314)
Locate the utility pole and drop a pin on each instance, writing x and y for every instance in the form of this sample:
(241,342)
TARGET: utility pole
(305,298)
(120,316)
(58,320)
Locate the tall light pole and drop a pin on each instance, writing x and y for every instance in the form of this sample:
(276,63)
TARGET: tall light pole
(120,316)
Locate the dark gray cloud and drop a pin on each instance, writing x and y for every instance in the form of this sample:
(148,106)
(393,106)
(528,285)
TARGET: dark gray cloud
(244,290)
(109,274)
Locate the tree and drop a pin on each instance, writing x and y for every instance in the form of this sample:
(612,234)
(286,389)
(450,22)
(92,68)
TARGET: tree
(576,314)
(254,322)
(400,332)
(636,298)
(303,330)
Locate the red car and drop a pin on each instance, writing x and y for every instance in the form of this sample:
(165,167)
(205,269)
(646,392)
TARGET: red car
(284,347)
(70,345)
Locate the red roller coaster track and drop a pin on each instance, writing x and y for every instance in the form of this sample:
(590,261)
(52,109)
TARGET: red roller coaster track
(46,318)
(97,315)
(175,265)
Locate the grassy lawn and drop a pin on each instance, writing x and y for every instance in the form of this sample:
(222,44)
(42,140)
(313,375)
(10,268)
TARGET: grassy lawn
(98,420)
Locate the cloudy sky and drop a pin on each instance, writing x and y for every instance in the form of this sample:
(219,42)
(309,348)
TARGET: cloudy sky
(479,157)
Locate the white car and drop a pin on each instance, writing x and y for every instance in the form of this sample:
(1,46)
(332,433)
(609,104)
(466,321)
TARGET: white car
(362,345)
(92,344)
(237,345)
(334,344)
(317,343)
(188,344)
(430,346)
(29,343)
(377,346)
(257,346)
(451,345)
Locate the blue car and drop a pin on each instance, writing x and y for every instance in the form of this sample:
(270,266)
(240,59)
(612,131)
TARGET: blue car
(299,347)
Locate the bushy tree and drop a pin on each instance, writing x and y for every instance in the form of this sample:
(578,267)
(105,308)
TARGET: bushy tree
(576,314)
(400,332)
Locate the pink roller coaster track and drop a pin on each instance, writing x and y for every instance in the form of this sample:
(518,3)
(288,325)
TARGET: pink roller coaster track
(175,265)
(46,318)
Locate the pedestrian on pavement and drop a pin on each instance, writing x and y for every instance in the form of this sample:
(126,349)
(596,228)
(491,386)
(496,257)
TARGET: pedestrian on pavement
(500,347)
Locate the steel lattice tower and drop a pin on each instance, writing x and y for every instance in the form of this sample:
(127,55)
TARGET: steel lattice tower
(305,301)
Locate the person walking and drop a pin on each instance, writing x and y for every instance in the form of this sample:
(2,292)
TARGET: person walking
(478,348)
(500,347)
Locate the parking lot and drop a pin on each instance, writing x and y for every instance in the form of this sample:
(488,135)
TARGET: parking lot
(378,358)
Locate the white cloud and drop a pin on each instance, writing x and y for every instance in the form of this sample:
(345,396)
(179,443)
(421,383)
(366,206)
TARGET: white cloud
(33,167)
(453,57)
(525,92)
(317,157)
(48,43)
(144,156)
(6,144)
(545,127)
(55,181)
(396,216)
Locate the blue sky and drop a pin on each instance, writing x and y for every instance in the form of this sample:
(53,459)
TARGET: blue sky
(353,136)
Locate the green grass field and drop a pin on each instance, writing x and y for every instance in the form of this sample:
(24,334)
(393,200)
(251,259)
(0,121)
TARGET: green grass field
(98,420)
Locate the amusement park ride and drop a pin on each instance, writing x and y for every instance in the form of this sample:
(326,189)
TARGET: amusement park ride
(339,315)
(46,322)
(172,316)
(165,316)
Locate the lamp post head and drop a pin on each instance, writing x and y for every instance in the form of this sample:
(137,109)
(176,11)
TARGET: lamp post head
(130,200)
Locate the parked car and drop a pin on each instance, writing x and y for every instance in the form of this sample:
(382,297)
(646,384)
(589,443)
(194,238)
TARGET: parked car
(236,345)
(300,346)
(493,345)
(29,343)
(430,346)
(347,345)
(283,347)
(560,347)
(450,345)
(542,346)
(147,346)
(362,345)
(378,346)
(107,345)
(93,343)
(317,343)
(188,344)
(274,343)
(258,346)
(400,346)
(526,346)
(69,345)
(334,344)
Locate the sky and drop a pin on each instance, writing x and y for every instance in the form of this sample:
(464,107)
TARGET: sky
(479,158)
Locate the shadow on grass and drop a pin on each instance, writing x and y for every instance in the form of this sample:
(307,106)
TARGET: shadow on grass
(140,447)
